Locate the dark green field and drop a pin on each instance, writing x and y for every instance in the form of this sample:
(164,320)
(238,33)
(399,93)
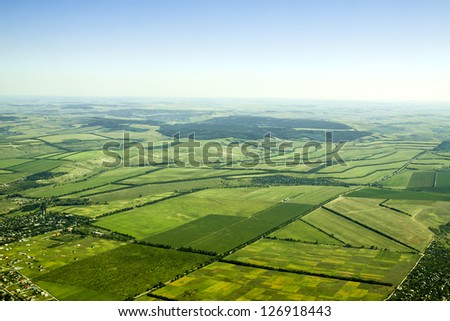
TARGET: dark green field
(126,271)
(249,229)
(191,232)
(420,180)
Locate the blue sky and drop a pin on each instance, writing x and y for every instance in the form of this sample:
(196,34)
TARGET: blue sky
(325,49)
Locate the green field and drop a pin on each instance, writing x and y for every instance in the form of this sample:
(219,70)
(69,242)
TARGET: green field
(65,292)
(96,209)
(351,233)
(36,166)
(302,231)
(229,282)
(420,180)
(443,179)
(50,253)
(429,213)
(134,192)
(87,183)
(179,174)
(394,194)
(60,138)
(316,194)
(333,261)
(399,180)
(126,271)
(399,226)
(9,162)
(186,234)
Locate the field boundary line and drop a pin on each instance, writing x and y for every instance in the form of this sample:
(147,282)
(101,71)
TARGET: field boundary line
(301,272)
(370,228)
(382,204)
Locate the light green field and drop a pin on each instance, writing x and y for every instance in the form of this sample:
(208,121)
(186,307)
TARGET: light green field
(7,205)
(429,213)
(360,172)
(399,180)
(86,156)
(360,168)
(6,178)
(371,178)
(51,254)
(69,137)
(65,292)
(364,264)
(174,174)
(89,183)
(299,230)
(36,166)
(315,194)
(134,192)
(349,232)
(8,162)
(95,210)
(399,226)
(229,282)
(423,167)
(102,189)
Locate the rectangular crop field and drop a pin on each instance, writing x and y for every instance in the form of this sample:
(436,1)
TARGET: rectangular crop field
(334,261)
(126,271)
(37,166)
(351,233)
(50,253)
(229,282)
(302,231)
(100,179)
(179,174)
(399,180)
(152,219)
(443,179)
(422,180)
(9,162)
(316,194)
(102,196)
(65,292)
(184,235)
(397,225)
(429,213)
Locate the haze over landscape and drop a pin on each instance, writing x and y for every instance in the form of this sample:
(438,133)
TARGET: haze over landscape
(358,50)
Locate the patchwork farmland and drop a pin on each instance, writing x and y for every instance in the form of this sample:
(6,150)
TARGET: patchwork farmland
(76,229)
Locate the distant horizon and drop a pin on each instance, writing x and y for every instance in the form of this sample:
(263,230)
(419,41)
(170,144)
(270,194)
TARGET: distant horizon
(168,98)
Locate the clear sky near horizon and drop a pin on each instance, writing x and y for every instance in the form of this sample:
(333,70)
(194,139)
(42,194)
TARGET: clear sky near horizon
(323,49)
